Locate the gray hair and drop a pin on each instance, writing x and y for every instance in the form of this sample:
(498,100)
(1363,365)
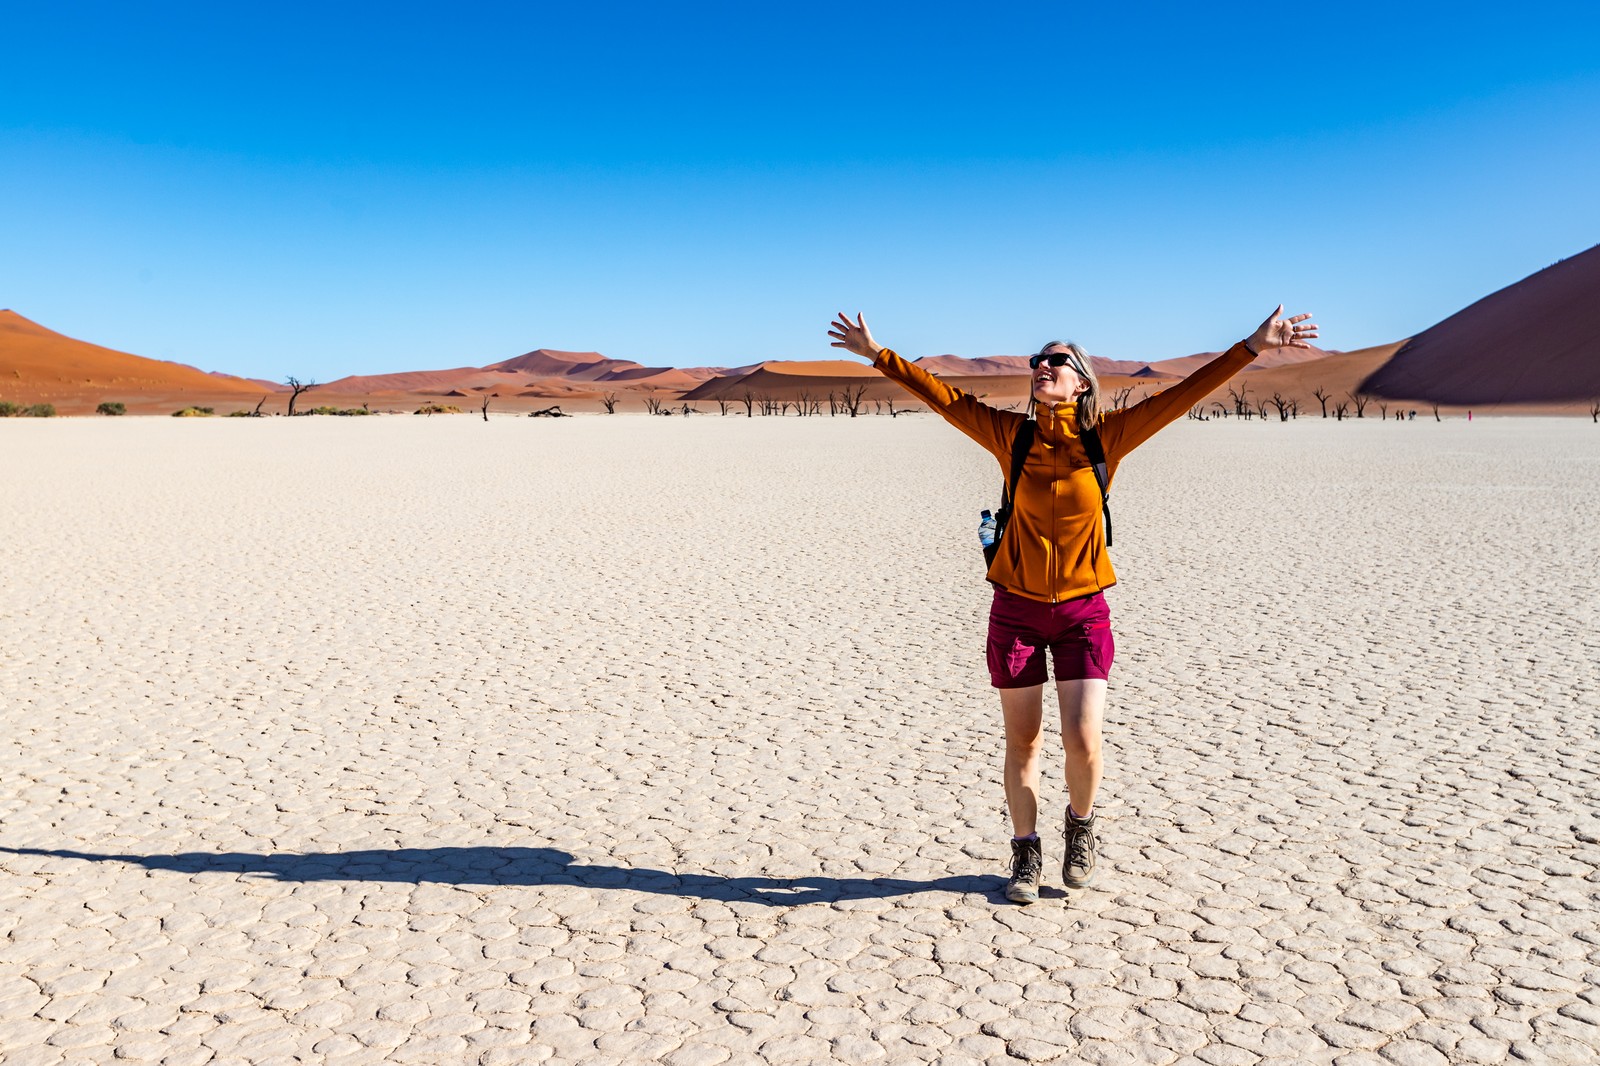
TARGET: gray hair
(1089,400)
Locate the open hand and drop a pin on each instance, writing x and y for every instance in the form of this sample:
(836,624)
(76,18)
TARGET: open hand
(1280,332)
(854,337)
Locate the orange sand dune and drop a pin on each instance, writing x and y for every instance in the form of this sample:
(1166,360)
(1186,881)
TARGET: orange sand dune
(38,365)
(1183,366)
(663,377)
(706,373)
(541,362)
(949,366)
(436,382)
(781,379)
(270,386)
(548,363)
(820,368)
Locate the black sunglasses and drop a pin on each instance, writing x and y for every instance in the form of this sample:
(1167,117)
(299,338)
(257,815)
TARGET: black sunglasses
(1056,359)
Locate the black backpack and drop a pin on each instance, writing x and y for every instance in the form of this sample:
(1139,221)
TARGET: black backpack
(1019,454)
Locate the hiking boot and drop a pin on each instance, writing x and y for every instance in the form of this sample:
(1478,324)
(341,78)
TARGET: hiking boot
(1027,861)
(1077,867)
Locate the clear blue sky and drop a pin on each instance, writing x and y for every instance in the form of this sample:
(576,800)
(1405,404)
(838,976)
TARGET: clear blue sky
(341,188)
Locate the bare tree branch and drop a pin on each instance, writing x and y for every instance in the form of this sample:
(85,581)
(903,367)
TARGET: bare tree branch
(298,386)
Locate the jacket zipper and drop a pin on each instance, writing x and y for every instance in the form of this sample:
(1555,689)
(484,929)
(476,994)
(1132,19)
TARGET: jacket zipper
(1055,478)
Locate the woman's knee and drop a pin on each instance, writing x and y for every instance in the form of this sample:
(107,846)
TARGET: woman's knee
(1082,741)
(1024,749)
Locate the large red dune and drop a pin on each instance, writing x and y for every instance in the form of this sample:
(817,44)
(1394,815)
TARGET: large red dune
(1537,341)
(38,365)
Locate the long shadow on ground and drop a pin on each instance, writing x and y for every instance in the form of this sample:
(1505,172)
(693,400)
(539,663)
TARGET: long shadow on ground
(526,866)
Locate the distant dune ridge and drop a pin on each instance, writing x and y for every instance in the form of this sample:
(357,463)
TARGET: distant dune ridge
(1537,341)
(1549,319)
(39,365)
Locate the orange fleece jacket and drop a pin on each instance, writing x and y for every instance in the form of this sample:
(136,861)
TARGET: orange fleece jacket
(1055,547)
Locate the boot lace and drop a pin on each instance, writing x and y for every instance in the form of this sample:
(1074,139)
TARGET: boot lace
(1080,845)
(1026,861)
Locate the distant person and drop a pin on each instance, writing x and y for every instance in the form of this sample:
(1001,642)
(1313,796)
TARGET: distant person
(1051,566)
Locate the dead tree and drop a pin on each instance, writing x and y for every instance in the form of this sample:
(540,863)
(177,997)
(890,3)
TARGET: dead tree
(722,405)
(851,400)
(1383,411)
(1436,417)
(749,402)
(298,386)
(892,412)
(687,410)
(1119,397)
(1261,408)
(1340,409)
(1221,408)
(1198,413)
(1294,408)
(1594,409)
(833,404)
(257,412)
(1240,394)
(609,402)
(652,405)
(1323,396)
(549,412)
(486,408)
(1281,404)
(1360,399)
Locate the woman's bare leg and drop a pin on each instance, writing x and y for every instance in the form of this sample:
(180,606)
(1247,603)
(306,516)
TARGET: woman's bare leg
(1083,706)
(1024,714)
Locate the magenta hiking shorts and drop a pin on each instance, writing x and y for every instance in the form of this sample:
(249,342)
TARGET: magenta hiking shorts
(1076,633)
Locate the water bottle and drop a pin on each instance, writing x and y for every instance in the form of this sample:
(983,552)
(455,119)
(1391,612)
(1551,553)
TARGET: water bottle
(986,529)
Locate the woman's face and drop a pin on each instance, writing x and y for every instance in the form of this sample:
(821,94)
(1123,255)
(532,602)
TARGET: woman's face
(1057,384)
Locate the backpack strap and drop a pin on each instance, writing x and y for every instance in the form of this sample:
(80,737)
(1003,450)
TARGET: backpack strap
(1020,444)
(1097,460)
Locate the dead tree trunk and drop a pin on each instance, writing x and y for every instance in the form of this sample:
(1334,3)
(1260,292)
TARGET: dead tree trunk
(298,386)
(852,399)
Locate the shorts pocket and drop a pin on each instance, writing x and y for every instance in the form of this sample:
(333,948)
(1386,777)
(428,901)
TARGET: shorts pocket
(1102,645)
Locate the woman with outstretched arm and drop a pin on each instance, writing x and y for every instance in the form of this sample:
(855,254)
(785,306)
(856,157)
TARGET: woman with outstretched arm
(1050,567)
